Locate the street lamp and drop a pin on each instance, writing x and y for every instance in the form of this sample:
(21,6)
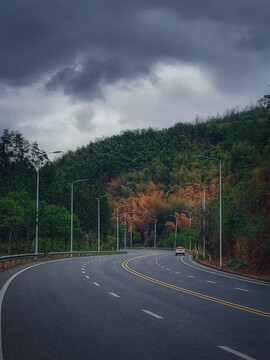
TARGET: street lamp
(71,211)
(175,234)
(188,204)
(98,199)
(130,212)
(117,226)
(131,236)
(203,199)
(43,153)
(190,213)
(125,219)
(125,234)
(220,206)
(155,236)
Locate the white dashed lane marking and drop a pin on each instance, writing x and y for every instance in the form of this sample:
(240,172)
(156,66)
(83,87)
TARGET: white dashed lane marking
(241,355)
(152,314)
(115,295)
(242,289)
(95,283)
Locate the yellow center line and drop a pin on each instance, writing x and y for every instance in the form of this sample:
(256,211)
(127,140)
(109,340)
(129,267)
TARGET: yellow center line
(190,292)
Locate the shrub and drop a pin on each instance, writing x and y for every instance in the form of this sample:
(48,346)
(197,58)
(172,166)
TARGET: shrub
(235,264)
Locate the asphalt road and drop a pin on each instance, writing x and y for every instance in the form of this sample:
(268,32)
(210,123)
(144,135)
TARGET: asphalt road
(143,305)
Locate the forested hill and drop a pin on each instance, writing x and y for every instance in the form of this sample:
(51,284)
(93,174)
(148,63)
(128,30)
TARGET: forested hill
(148,171)
(158,155)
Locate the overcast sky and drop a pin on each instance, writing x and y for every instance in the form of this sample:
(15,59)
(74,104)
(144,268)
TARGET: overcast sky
(75,70)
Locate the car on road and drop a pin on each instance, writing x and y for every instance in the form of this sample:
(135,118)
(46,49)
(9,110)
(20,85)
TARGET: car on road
(180,250)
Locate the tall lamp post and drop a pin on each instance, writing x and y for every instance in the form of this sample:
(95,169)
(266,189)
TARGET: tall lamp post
(203,203)
(190,213)
(125,215)
(71,211)
(131,236)
(195,207)
(155,236)
(37,203)
(98,200)
(117,226)
(220,206)
(125,235)
(175,234)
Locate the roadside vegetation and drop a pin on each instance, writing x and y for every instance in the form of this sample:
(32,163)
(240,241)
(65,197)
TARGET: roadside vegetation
(147,172)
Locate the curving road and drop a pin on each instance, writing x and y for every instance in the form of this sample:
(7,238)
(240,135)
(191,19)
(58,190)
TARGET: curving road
(143,305)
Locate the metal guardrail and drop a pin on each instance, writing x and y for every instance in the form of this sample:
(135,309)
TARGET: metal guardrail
(21,257)
(8,259)
(84,253)
(151,248)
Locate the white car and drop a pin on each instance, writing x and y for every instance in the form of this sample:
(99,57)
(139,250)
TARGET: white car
(180,250)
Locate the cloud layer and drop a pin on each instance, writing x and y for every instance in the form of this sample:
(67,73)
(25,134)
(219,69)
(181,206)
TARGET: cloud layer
(74,57)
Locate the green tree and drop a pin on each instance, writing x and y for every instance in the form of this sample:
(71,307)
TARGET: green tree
(11,217)
(55,225)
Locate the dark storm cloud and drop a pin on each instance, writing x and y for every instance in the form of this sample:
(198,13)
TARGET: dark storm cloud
(80,45)
(87,81)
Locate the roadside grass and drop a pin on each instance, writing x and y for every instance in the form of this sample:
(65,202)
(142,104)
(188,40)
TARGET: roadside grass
(238,267)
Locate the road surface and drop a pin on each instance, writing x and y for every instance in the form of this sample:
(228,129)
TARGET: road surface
(143,305)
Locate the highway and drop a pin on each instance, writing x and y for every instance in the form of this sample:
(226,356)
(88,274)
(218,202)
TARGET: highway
(142,305)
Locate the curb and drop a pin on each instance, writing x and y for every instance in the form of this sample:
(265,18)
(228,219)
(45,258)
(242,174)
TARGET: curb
(231,272)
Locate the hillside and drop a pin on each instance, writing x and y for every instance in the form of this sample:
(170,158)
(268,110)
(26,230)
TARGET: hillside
(148,170)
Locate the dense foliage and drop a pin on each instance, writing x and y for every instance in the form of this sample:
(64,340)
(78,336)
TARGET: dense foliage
(147,172)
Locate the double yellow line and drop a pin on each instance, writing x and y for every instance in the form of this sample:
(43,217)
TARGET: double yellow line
(190,292)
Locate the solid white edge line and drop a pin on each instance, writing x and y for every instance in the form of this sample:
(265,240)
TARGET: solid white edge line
(8,282)
(152,314)
(5,287)
(243,356)
(218,273)
(115,295)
